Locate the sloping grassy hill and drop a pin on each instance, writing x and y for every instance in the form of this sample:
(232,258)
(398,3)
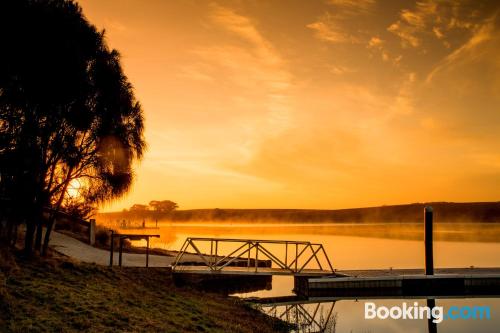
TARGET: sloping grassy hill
(61,296)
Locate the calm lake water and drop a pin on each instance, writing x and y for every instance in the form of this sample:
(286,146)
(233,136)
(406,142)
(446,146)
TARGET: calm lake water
(354,246)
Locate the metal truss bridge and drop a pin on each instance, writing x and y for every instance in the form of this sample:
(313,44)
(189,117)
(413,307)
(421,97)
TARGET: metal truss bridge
(252,257)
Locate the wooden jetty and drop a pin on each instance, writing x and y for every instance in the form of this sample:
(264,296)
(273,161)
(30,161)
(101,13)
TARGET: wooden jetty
(403,282)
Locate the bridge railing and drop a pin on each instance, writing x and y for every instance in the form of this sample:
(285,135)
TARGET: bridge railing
(246,252)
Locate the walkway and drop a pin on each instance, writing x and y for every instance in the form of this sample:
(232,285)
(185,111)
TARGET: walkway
(78,250)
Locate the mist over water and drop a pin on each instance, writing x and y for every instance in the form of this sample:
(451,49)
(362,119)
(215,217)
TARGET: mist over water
(349,245)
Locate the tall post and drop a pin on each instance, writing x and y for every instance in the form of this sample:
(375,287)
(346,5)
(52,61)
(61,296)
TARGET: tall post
(120,252)
(286,254)
(147,251)
(111,248)
(296,255)
(256,256)
(249,250)
(429,256)
(216,250)
(92,232)
(211,251)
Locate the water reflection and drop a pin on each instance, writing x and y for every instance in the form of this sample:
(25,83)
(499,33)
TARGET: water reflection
(347,315)
(431,325)
(304,316)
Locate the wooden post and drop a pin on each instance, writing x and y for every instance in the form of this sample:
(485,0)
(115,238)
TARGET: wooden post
(296,255)
(429,255)
(211,251)
(111,248)
(216,250)
(120,252)
(92,232)
(249,250)
(147,251)
(256,256)
(286,254)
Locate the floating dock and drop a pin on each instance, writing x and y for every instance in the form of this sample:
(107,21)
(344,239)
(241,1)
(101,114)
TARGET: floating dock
(402,282)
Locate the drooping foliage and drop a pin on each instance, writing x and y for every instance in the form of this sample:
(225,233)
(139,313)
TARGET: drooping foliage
(67,112)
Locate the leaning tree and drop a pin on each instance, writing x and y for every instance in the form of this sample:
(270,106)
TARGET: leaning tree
(67,112)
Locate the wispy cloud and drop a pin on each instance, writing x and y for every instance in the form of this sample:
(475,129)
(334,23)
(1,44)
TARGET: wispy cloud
(328,29)
(431,17)
(341,70)
(246,29)
(257,69)
(331,27)
(353,6)
(481,34)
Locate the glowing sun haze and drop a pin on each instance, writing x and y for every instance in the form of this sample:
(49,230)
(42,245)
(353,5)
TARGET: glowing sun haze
(311,104)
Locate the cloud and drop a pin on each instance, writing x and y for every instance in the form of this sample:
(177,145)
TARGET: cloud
(332,27)
(482,34)
(431,17)
(405,33)
(329,28)
(328,31)
(245,28)
(257,72)
(375,42)
(353,6)
(437,32)
(341,70)
(378,45)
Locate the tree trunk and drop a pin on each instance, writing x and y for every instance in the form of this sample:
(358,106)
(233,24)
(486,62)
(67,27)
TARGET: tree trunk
(30,233)
(9,230)
(50,222)
(15,235)
(39,233)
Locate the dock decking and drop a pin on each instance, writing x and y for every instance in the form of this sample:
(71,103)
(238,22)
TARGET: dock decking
(403,282)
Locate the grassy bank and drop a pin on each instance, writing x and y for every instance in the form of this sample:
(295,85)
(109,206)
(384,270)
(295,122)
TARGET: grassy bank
(59,295)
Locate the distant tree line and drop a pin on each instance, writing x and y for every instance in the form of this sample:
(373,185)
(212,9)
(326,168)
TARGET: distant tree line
(156,209)
(67,112)
(445,212)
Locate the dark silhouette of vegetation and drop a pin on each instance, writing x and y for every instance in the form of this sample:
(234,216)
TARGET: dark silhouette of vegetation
(164,206)
(67,112)
(485,212)
(157,209)
(138,208)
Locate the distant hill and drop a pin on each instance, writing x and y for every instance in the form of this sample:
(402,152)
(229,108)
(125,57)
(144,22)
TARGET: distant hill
(485,212)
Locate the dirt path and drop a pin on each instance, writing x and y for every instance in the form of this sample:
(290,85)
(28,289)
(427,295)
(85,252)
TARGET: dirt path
(75,249)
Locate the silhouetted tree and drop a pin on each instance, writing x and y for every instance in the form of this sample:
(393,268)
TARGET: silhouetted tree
(163,206)
(138,208)
(67,111)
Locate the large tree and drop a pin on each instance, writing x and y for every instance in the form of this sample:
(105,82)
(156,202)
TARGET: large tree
(67,112)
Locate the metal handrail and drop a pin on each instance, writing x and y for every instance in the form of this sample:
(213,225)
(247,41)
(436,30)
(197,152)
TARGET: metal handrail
(215,262)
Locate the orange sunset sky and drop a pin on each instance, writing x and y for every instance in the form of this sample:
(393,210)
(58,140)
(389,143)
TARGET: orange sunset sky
(311,104)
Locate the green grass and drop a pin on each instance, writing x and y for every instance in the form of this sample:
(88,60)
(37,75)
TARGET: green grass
(61,296)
